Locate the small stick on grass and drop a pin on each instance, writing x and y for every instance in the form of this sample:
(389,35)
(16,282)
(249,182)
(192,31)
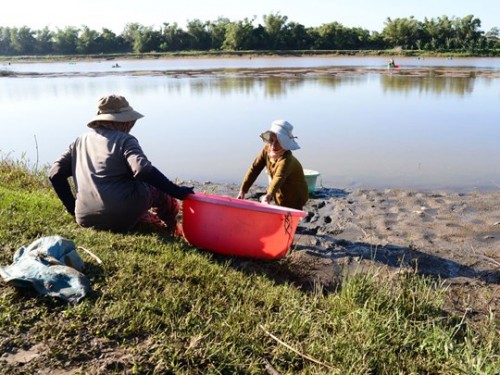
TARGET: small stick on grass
(91,254)
(297,352)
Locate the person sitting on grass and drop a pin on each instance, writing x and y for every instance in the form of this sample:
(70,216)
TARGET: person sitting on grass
(288,186)
(115,183)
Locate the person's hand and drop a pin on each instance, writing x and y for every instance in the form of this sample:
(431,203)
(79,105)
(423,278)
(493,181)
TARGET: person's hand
(184,191)
(266,199)
(241,195)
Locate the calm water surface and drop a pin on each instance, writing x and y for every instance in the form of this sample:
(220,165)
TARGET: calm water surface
(238,62)
(367,130)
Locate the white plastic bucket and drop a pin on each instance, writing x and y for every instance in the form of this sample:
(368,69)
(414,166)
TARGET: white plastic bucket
(311,178)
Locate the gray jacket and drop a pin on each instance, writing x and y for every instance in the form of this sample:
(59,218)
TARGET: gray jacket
(106,166)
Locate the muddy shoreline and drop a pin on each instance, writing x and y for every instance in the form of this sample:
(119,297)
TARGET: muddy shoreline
(340,71)
(453,237)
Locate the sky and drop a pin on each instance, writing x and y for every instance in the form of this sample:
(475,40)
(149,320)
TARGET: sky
(115,14)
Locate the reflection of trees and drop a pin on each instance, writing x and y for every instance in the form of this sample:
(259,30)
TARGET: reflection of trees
(221,85)
(273,86)
(276,85)
(435,85)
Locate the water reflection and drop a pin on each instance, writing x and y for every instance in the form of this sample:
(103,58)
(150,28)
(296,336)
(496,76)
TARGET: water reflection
(280,86)
(358,130)
(436,85)
(271,87)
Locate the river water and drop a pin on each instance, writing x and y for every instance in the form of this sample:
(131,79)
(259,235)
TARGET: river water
(370,130)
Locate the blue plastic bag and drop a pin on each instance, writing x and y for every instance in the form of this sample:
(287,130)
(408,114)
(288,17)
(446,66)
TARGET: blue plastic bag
(50,265)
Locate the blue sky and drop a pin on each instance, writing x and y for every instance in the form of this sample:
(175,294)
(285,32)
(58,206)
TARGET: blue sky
(115,14)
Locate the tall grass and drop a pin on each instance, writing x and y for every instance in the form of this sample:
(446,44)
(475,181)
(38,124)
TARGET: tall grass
(160,306)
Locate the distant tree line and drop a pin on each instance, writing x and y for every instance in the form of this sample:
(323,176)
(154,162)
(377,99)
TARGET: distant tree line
(276,33)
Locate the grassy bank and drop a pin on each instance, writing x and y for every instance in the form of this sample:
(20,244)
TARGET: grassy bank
(161,306)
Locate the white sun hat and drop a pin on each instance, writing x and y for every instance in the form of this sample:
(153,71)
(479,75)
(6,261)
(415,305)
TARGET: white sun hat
(283,130)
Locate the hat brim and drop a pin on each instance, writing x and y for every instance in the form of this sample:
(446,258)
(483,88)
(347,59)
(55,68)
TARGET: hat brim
(285,141)
(118,117)
(266,136)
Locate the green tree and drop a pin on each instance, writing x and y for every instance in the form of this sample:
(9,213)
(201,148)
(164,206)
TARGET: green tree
(356,38)
(66,40)
(149,40)
(88,41)
(22,40)
(217,30)
(467,31)
(238,35)
(131,33)
(259,38)
(332,36)
(401,32)
(174,38)
(298,37)
(276,33)
(142,38)
(437,34)
(44,41)
(276,28)
(199,35)
(5,44)
(376,41)
(109,42)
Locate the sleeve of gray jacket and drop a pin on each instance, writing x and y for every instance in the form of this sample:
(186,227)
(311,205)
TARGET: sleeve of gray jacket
(138,162)
(59,173)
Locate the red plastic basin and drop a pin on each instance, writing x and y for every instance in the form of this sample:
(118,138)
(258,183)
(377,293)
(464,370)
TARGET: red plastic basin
(238,227)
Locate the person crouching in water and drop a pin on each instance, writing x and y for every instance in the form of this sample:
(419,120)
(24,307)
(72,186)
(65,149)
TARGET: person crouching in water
(288,186)
(116,185)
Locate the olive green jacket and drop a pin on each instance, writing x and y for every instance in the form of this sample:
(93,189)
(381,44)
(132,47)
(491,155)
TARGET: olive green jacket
(288,186)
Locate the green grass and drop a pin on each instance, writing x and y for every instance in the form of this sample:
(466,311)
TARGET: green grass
(161,306)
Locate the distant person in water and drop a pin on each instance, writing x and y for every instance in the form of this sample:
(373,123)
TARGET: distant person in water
(116,185)
(391,64)
(288,186)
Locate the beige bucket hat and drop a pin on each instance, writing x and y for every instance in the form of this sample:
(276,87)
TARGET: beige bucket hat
(114,108)
(283,130)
